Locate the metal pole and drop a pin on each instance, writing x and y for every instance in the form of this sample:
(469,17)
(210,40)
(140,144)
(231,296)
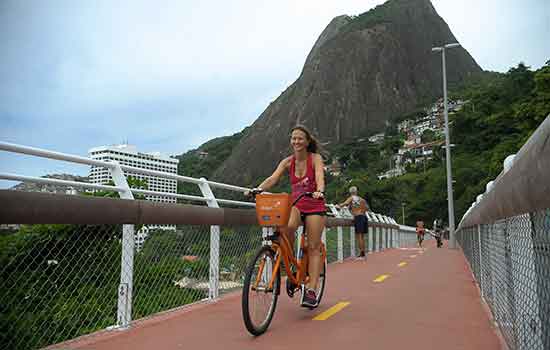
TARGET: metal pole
(452,240)
(481,281)
(340,242)
(126,286)
(403,208)
(214,273)
(352,241)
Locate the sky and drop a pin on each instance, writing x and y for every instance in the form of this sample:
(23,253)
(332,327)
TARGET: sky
(168,76)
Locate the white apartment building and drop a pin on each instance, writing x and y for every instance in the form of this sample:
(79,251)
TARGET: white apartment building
(128,155)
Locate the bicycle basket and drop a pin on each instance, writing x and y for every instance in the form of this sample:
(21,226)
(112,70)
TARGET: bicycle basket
(273,209)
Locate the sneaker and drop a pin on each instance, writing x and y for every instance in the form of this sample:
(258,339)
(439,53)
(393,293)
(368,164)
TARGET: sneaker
(309,298)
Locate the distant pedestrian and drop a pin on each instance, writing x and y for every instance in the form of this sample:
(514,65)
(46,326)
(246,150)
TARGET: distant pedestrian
(438,232)
(358,207)
(420,231)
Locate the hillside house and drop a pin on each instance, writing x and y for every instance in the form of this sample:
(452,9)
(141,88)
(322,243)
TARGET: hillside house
(377,138)
(334,168)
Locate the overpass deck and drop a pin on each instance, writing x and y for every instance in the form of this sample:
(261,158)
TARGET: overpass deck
(429,300)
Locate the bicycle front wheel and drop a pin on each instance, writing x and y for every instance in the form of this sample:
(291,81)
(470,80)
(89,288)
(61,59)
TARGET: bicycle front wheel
(322,281)
(259,298)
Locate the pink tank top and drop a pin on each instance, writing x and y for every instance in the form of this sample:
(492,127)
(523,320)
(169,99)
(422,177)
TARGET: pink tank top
(303,184)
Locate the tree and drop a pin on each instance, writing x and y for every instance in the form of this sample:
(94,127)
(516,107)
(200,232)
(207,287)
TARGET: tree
(133,182)
(428,136)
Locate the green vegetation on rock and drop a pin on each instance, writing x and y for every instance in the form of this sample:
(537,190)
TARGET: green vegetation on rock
(501,112)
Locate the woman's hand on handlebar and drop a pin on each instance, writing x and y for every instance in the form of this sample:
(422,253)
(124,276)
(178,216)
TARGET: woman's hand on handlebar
(253,192)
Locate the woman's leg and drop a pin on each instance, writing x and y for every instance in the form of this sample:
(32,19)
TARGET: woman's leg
(315,225)
(293,222)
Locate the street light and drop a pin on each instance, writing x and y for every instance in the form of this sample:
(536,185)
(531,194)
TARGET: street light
(403,208)
(452,239)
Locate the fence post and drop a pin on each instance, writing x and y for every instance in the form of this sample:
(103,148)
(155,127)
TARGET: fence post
(214,273)
(374,241)
(388,233)
(352,241)
(387,229)
(399,235)
(382,230)
(340,240)
(380,240)
(371,237)
(395,234)
(481,282)
(126,286)
(382,234)
(340,244)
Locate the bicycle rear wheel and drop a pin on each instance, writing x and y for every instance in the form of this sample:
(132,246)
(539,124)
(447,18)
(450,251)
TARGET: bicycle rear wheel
(259,300)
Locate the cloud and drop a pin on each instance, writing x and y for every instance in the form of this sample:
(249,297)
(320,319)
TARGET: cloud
(170,75)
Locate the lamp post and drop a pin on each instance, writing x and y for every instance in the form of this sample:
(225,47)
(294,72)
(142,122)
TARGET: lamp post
(403,208)
(452,239)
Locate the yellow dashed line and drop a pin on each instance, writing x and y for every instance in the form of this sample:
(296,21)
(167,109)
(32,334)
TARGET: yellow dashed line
(326,314)
(380,278)
(401,264)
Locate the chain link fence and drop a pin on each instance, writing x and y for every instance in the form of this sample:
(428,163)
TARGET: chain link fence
(510,260)
(58,282)
(505,236)
(64,281)
(61,281)
(331,236)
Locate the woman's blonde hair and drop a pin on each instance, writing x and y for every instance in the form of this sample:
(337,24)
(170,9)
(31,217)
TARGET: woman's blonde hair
(353,190)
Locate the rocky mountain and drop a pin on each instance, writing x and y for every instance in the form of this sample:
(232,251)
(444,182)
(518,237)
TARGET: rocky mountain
(361,72)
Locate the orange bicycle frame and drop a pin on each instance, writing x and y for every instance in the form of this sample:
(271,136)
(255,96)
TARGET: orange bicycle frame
(283,251)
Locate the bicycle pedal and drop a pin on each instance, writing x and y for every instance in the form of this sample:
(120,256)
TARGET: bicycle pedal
(291,288)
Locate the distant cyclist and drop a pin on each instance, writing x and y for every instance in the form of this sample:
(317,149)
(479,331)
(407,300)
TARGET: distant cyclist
(358,207)
(305,167)
(420,231)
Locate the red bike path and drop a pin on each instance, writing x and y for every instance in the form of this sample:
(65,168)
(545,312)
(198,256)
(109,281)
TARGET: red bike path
(431,302)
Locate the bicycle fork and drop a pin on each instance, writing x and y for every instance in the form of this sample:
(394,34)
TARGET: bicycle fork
(267,273)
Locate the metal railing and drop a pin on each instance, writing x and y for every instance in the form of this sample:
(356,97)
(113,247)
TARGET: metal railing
(505,235)
(71,267)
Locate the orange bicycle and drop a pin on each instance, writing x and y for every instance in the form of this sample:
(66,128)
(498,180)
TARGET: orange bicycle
(262,281)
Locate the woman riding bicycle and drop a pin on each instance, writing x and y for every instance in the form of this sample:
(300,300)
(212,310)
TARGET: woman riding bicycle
(306,173)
